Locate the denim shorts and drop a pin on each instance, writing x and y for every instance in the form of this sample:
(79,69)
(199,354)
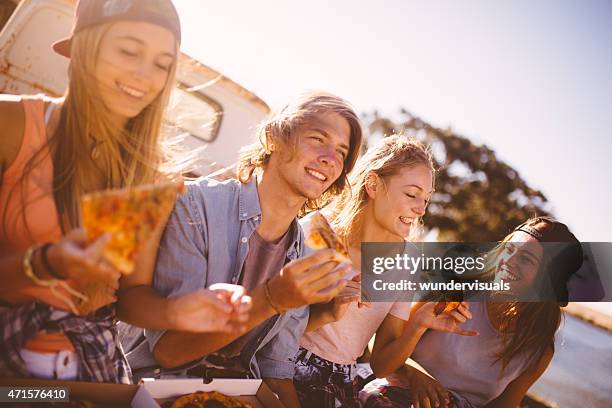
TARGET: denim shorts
(325,384)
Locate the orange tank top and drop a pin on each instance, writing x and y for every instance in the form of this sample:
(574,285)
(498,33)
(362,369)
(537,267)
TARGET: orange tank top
(37,221)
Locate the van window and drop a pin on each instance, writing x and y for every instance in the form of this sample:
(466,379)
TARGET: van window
(196,113)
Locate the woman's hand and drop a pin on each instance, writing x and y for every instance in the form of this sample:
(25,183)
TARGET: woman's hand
(426,391)
(217,310)
(74,258)
(446,322)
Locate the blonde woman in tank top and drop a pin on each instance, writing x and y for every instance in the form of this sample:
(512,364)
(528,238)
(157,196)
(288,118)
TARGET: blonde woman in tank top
(516,338)
(390,188)
(105,133)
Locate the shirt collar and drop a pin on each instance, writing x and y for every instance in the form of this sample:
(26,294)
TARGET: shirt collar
(248,204)
(248,200)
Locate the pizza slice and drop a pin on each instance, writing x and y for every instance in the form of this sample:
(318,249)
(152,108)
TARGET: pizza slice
(320,235)
(130,216)
(445,307)
(201,399)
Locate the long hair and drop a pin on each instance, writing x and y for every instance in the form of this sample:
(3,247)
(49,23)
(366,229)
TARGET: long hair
(387,159)
(280,129)
(528,327)
(126,157)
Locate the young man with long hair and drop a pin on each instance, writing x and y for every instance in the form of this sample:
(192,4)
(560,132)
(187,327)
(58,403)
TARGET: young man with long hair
(245,231)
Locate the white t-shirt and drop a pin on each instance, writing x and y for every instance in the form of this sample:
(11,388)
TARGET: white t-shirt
(467,365)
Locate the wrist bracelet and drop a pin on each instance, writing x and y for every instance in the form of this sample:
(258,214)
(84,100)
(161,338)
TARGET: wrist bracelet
(45,260)
(29,271)
(52,283)
(269,297)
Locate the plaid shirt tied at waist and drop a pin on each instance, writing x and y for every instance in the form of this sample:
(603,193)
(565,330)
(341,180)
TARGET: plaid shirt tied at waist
(101,358)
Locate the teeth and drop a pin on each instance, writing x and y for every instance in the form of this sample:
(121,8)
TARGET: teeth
(406,220)
(131,91)
(509,275)
(316,174)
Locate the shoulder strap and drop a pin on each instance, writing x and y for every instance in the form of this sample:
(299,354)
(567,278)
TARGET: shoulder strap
(49,112)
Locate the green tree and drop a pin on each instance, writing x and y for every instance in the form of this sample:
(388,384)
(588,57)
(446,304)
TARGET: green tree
(478,197)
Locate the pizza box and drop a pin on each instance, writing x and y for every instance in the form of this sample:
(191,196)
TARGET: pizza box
(152,393)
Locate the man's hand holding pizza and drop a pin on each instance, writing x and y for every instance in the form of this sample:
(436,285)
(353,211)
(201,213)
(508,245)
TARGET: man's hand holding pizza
(316,278)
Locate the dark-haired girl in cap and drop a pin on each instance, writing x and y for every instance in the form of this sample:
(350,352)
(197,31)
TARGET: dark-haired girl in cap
(516,329)
(105,133)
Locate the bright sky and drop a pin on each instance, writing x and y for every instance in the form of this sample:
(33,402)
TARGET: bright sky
(532,80)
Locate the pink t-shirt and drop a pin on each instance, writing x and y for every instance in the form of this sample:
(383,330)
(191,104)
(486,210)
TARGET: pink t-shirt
(345,340)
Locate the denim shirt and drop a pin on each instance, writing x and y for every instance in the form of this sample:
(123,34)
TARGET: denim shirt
(206,242)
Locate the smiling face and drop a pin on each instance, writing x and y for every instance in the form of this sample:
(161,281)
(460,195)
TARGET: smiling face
(519,263)
(133,64)
(318,159)
(399,201)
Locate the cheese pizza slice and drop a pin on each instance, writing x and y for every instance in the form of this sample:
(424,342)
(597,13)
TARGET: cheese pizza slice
(202,399)
(130,216)
(445,307)
(320,235)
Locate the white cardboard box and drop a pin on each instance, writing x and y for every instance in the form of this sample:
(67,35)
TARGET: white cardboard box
(256,392)
(151,393)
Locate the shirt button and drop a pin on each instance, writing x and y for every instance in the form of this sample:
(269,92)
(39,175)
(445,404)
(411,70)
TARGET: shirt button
(244,214)
(244,240)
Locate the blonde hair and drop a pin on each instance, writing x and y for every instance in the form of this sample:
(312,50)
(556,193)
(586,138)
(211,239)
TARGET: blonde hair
(387,159)
(280,129)
(130,156)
